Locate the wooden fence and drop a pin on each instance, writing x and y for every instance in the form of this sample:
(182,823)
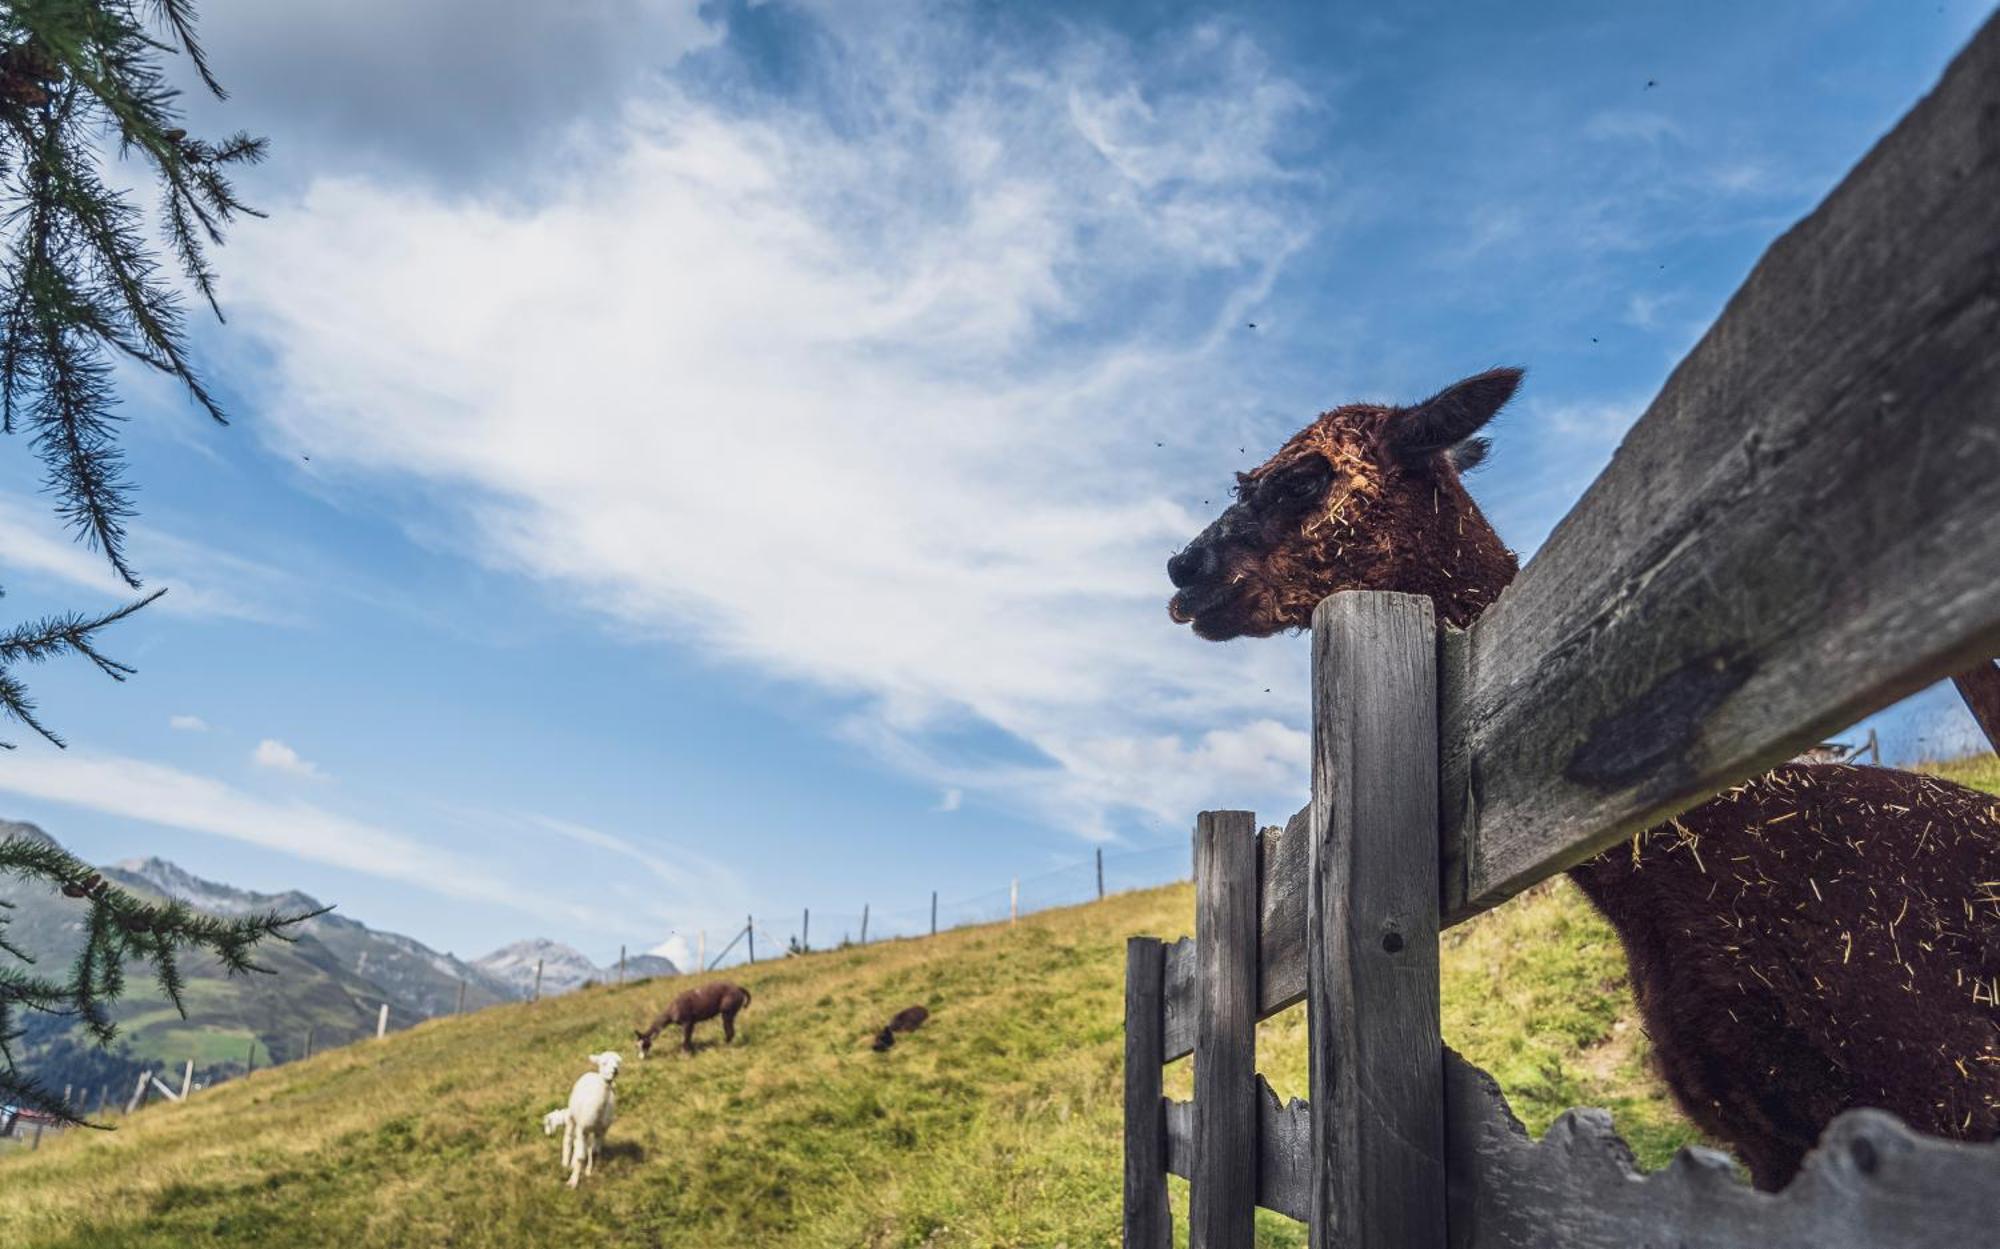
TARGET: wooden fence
(1688,625)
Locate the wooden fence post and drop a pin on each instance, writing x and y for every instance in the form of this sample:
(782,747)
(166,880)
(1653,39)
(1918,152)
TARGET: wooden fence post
(1148,1224)
(250,1059)
(536,996)
(750,931)
(933,912)
(864,923)
(187,1078)
(1980,688)
(621,966)
(1014,901)
(382,1021)
(138,1092)
(1100,873)
(1378,1179)
(805,931)
(460,1008)
(1222,1206)
(309,1041)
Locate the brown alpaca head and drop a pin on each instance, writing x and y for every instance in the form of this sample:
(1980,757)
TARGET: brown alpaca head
(1366,497)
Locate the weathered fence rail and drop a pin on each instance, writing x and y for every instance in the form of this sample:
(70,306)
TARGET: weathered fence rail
(1687,626)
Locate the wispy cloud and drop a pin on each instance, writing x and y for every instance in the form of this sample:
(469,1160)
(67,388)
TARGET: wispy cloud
(951,800)
(187,724)
(141,790)
(202,581)
(825,408)
(275,755)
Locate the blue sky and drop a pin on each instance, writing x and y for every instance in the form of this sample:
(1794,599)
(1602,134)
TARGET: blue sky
(694,460)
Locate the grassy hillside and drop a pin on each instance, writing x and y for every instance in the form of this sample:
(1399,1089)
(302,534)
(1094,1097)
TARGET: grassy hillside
(996,1125)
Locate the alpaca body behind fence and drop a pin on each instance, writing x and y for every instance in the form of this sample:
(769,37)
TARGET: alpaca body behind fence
(1819,938)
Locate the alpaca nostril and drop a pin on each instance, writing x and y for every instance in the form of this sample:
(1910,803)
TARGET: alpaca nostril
(1193,564)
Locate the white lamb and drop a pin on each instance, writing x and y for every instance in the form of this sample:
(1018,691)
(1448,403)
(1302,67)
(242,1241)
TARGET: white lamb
(592,1105)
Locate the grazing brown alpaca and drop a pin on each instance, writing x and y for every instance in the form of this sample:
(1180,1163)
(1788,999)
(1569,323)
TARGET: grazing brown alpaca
(908,1019)
(690,1008)
(1819,938)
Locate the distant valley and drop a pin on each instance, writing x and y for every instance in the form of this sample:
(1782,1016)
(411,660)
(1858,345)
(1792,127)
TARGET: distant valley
(326,988)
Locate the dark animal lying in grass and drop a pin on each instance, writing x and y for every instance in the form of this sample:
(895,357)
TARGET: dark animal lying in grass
(1819,938)
(690,1008)
(909,1019)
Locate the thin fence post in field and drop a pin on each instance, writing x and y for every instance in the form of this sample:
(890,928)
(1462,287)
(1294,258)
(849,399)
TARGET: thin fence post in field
(1100,873)
(382,1021)
(309,1042)
(621,965)
(103,1098)
(250,1059)
(460,1008)
(1377,1117)
(805,930)
(187,1078)
(750,931)
(933,912)
(1014,901)
(1148,1224)
(536,995)
(1222,1204)
(37,1142)
(864,923)
(138,1092)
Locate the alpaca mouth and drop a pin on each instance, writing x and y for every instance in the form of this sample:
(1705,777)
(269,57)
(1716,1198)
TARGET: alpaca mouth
(1206,607)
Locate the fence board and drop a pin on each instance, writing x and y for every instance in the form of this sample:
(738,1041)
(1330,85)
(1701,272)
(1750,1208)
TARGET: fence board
(1979,686)
(1372,927)
(1801,529)
(1147,1225)
(1284,1150)
(1871,1184)
(1281,937)
(1222,1198)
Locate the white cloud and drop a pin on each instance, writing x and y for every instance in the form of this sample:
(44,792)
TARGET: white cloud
(200,580)
(678,951)
(188,724)
(140,790)
(274,754)
(951,800)
(873,408)
(695,875)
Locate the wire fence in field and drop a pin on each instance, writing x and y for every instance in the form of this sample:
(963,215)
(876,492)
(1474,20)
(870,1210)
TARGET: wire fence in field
(1085,880)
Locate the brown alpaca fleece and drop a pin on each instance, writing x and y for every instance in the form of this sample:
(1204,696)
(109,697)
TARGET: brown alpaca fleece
(694,1006)
(1816,939)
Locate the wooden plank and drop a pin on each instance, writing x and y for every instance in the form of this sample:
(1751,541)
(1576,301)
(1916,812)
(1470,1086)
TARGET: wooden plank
(1979,686)
(1377,1079)
(1281,936)
(1180,1138)
(1222,1201)
(1871,1184)
(1696,618)
(1284,1150)
(1147,1223)
(1284,1154)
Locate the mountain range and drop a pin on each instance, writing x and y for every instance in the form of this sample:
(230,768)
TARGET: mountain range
(326,988)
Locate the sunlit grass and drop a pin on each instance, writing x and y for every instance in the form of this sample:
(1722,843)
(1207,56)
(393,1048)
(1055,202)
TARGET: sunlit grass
(997,1124)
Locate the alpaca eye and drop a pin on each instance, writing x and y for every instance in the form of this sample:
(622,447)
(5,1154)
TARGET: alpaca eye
(1300,485)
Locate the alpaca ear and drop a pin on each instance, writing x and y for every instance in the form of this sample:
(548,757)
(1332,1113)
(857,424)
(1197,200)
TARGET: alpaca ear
(1417,433)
